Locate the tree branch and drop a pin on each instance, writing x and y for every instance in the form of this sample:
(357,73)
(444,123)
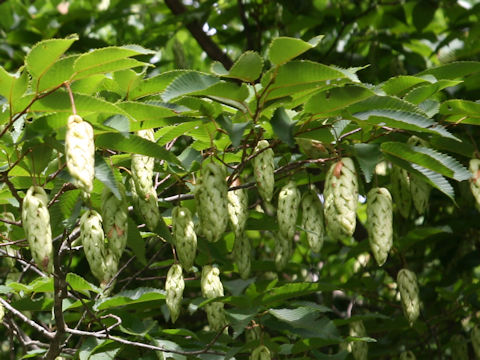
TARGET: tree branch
(205,42)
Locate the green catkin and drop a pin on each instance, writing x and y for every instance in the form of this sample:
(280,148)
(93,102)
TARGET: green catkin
(184,236)
(174,287)
(115,221)
(242,253)
(459,347)
(359,349)
(263,170)
(212,203)
(36,223)
(5,237)
(420,190)
(211,288)
(409,293)
(341,198)
(80,153)
(380,223)
(260,353)
(475,338)
(312,220)
(401,192)
(475,180)
(287,209)
(238,210)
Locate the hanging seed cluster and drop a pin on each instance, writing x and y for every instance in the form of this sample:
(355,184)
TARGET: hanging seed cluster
(263,170)
(409,293)
(359,349)
(380,223)
(185,239)
(341,199)
(459,347)
(80,153)
(36,223)
(174,287)
(260,353)
(211,288)
(408,355)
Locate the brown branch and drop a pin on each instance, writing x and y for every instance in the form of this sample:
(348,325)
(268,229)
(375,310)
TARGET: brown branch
(205,42)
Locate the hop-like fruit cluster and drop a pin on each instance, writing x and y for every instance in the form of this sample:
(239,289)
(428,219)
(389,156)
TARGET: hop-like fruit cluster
(283,251)
(36,223)
(419,189)
(409,293)
(211,288)
(242,253)
(341,197)
(238,210)
(174,287)
(475,338)
(184,236)
(80,153)
(287,209)
(263,170)
(5,236)
(146,208)
(2,312)
(115,221)
(475,179)
(312,220)
(253,333)
(380,223)
(94,246)
(359,349)
(260,353)
(459,347)
(408,355)
(211,197)
(401,190)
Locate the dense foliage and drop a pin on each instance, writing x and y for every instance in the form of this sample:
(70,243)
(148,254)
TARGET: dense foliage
(311,199)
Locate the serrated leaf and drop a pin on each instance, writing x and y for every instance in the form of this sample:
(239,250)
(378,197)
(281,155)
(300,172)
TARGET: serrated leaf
(377,102)
(225,90)
(80,284)
(104,173)
(336,99)
(135,145)
(45,53)
(368,156)
(399,85)
(6,80)
(234,130)
(454,70)
(58,73)
(247,68)
(283,49)
(283,126)
(85,104)
(427,158)
(188,83)
(136,242)
(155,85)
(466,111)
(142,111)
(129,297)
(427,91)
(402,120)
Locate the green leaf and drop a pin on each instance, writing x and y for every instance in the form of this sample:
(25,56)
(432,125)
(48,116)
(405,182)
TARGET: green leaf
(136,242)
(235,130)
(298,76)
(283,126)
(294,290)
(106,60)
(142,111)
(80,284)
(45,53)
(386,103)
(283,49)
(104,173)
(129,297)
(332,101)
(454,70)
(188,83)
(399,85)
(402,120)
(428,158)
(427,91)
(247,68)
(6,81)
(368,156)
(154,85)
(135,145)
(60,72)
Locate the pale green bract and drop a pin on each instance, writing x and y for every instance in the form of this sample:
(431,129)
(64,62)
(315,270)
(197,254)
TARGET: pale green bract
(380,223)
(211,288)
(36,223)
(142,168)
(242,253)
(312,220)
(260,353)
(184,236)
(174,287)
(263,170)
(211,197)
(341,198)
(5,236)
(238,210)
(146,208)
(359,349)
(115,221)
(80,153)
(401,190)
(409,293)
(475,180)
(287,209)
